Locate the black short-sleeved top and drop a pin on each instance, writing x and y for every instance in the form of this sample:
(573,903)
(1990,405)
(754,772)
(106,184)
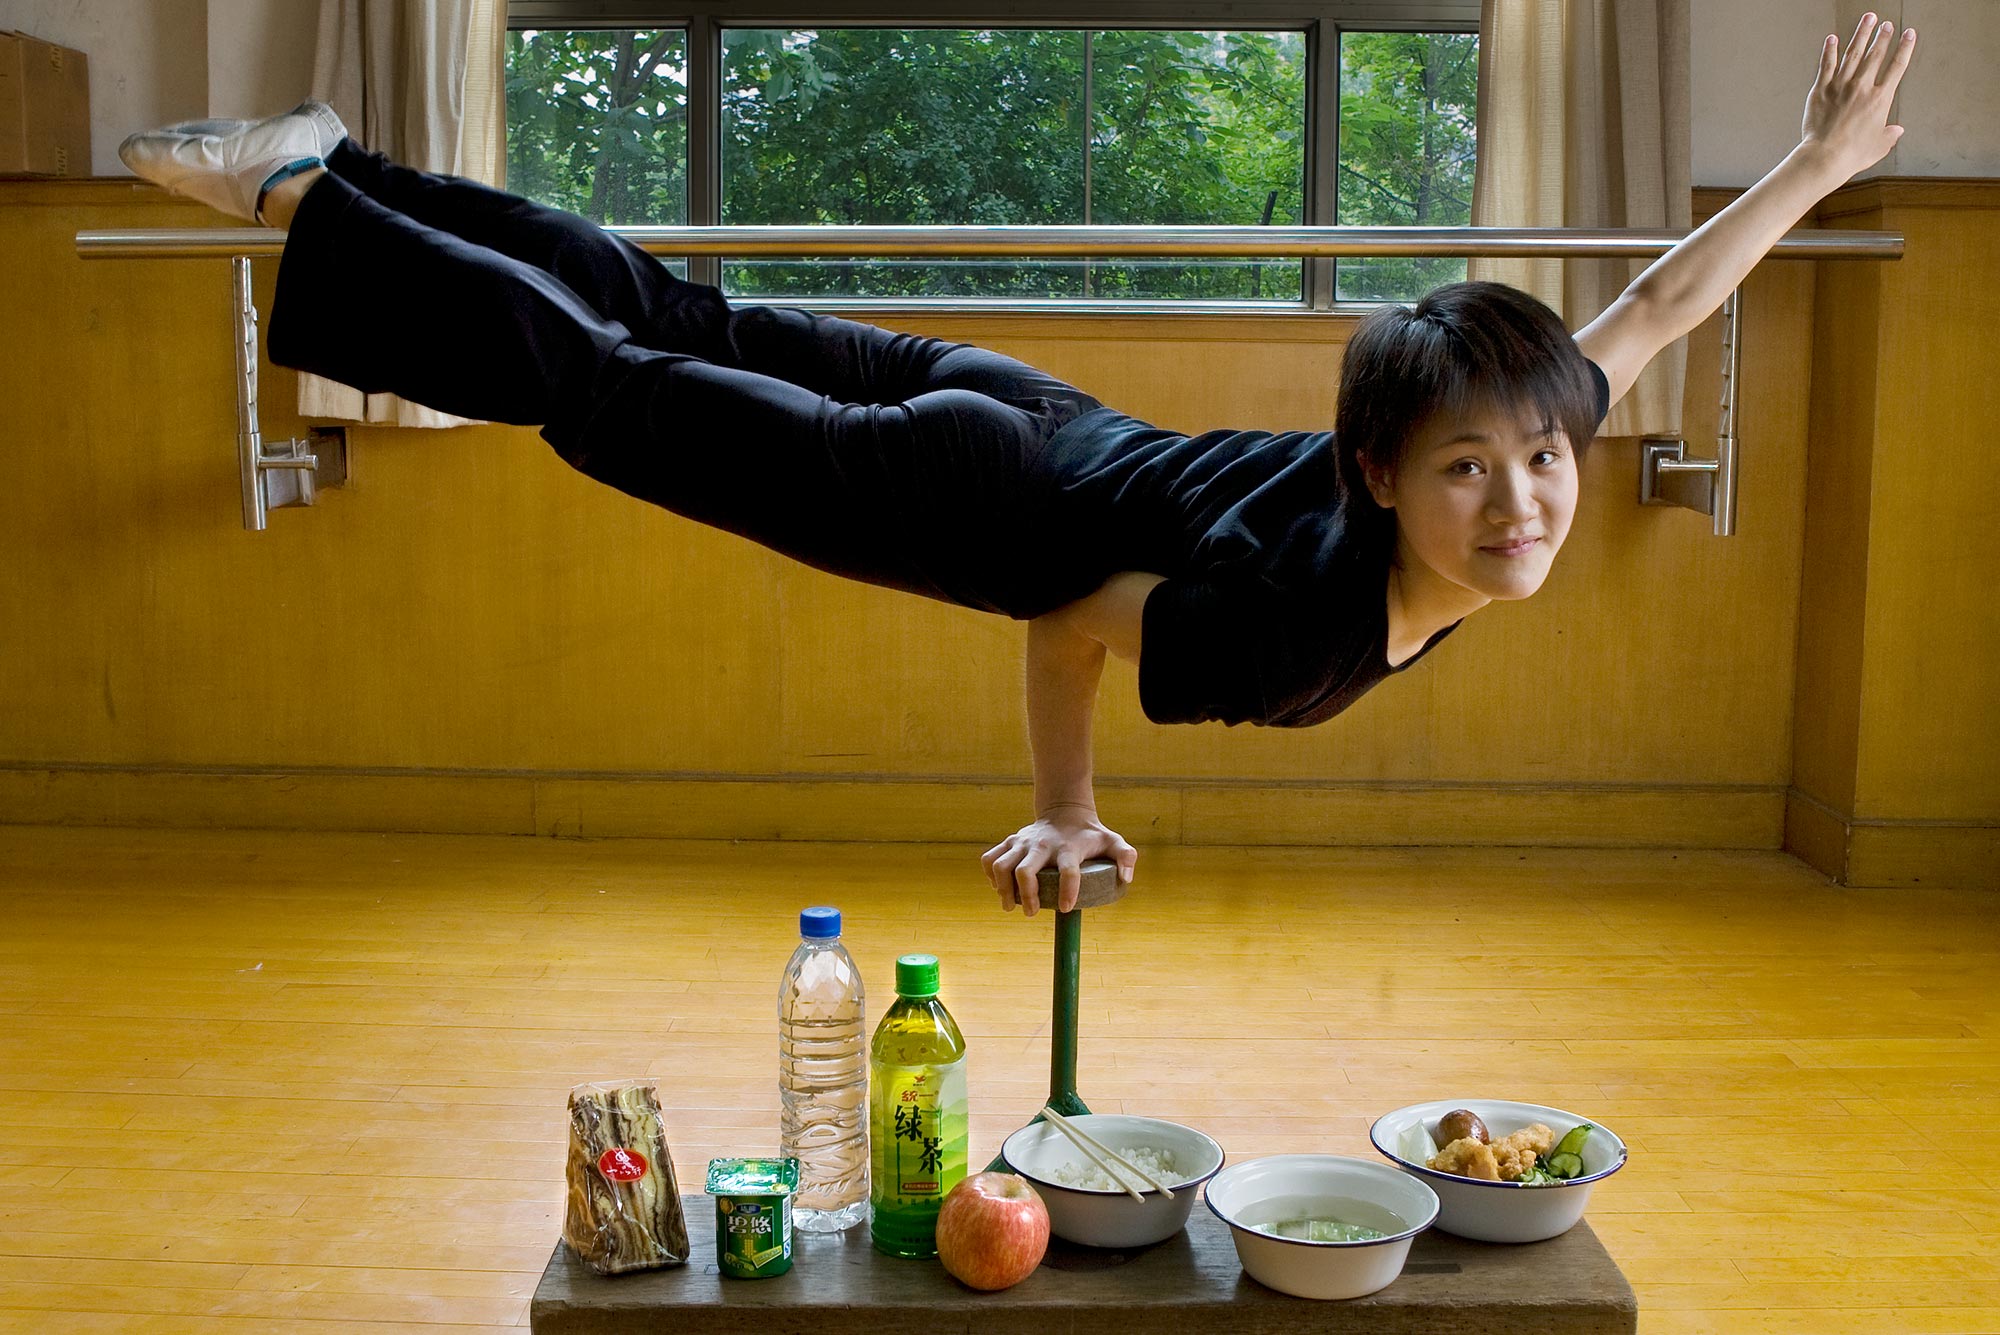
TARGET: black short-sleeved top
(1274,609)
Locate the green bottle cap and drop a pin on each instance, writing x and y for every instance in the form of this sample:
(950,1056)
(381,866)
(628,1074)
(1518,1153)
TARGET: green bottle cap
(917,976)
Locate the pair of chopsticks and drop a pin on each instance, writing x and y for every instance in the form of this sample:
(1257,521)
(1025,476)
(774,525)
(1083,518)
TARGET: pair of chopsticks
(1104,1156)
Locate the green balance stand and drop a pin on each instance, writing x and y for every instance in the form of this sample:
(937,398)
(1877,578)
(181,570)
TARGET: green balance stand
(1101,886)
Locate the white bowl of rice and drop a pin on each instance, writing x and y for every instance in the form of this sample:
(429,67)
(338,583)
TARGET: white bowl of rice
(1086,1206)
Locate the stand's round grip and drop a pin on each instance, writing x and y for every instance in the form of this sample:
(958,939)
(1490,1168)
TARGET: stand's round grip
(1101,885)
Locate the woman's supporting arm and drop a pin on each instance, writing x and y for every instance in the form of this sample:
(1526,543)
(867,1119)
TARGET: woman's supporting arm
(1064,668)
(1845,131)
(1066,652)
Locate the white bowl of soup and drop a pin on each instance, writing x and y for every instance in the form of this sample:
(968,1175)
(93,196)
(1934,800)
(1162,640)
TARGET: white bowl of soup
(1490,1209)
(1321,1225)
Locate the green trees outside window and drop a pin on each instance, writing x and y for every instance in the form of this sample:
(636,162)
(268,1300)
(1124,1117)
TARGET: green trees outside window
(1407,103)
(597,123)
(922,125)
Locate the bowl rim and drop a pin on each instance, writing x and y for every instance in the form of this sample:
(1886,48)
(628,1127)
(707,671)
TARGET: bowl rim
(1421,1170)
(1437,1206)
(1045,1184)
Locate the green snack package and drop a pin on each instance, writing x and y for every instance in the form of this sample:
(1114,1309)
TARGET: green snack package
(753,1215)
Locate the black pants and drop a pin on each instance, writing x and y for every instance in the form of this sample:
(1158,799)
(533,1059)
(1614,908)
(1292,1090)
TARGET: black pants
(886,457)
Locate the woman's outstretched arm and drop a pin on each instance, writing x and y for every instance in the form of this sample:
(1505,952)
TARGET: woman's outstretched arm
(1845,131)
(1066,652)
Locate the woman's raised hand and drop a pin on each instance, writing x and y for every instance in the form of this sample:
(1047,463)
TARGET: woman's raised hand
(1847,111)
(1063,837)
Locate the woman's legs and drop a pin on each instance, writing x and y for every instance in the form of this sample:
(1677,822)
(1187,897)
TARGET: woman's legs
(378,301)
(613,277)
(375,299)
(844,359)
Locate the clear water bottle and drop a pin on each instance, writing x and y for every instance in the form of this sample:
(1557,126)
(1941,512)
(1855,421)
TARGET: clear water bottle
(823,1077)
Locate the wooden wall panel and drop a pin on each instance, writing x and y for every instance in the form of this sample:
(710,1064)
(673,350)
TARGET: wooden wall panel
(1930,723)
(1833,589)
(1897,763)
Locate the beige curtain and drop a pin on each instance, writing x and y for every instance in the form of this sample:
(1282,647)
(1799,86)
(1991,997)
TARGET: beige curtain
(1583,122)
(421,81)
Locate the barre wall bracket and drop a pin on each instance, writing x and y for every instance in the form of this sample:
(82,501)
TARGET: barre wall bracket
(1669,476)
(281,473)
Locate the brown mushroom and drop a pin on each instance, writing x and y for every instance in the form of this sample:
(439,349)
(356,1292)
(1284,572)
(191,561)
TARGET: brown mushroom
(1462,1124)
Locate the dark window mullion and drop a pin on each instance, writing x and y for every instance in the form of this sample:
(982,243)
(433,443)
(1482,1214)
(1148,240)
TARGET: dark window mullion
(704,100)
(1322,150)
(1089,128)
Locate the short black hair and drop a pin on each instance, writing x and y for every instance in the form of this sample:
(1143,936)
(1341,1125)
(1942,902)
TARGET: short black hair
(1463,347)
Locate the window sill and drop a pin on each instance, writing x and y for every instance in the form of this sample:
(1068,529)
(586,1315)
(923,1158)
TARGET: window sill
(1040,308)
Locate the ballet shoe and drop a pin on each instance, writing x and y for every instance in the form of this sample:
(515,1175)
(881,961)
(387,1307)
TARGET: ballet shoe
(229,165)
(326,123)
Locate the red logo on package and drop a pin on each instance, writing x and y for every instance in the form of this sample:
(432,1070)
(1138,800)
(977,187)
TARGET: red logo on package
(621,1165)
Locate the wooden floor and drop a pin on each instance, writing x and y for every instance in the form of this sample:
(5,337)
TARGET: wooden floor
(255,1080)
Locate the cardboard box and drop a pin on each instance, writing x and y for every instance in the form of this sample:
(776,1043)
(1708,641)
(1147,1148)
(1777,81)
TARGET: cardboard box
(44,108)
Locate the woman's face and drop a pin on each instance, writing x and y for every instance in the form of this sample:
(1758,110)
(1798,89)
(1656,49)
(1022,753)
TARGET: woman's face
(1483,501)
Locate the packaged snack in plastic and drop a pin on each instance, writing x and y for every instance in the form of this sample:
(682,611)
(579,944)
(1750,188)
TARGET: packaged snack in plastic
(624,1209)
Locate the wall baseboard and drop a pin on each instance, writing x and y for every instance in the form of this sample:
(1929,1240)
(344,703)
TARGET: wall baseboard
(900,811)
(1889,853)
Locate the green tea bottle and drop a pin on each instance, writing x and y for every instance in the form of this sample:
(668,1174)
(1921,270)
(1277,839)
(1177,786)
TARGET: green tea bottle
(917,1112)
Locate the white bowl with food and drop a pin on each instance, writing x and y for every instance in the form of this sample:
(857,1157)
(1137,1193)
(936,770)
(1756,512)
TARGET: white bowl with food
(1503,1171)
(1321,1225)
(1086,1205)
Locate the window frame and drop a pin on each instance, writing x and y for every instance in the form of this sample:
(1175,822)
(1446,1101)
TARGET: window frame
(1321,21)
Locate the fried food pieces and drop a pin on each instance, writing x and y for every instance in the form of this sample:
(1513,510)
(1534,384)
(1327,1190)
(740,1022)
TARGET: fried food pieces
(1508,1159)
(1466,1157)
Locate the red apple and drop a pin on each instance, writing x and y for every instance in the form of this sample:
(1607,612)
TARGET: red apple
(992,1230)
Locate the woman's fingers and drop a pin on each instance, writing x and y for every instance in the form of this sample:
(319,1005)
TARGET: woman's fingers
(1069,882)
(1900,61)
(1877,54)
(1127,858)
(1851,60)
(1001,873)
(1024,880)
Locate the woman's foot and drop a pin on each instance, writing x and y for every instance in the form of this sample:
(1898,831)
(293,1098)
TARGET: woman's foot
(281,201)
(231,165)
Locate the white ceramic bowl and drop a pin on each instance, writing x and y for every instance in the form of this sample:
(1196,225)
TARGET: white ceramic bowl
(1112,1218)
(1264,1191)
(1502,1211)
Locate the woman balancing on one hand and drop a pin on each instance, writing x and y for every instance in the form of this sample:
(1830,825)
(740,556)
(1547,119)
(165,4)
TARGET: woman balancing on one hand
(1252,576)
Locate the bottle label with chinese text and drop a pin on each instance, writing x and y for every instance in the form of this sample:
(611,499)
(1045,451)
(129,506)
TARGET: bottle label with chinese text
(920,1132)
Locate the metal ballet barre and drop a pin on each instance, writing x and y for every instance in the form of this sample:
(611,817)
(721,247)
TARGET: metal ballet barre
(1070,242)
(283,473)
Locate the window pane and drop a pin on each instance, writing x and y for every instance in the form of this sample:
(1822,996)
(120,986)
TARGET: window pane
(892,125)
(1198,128)
(887,126)
(1407,104)
(597,123)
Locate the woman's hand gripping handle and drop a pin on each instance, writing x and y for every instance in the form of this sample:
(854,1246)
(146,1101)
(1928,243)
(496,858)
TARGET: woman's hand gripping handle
(1065,837)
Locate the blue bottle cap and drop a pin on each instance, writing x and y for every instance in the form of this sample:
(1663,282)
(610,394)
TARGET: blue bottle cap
(819,923)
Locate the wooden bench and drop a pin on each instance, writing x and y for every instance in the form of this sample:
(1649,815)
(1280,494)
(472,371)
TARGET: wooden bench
(840,1285)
